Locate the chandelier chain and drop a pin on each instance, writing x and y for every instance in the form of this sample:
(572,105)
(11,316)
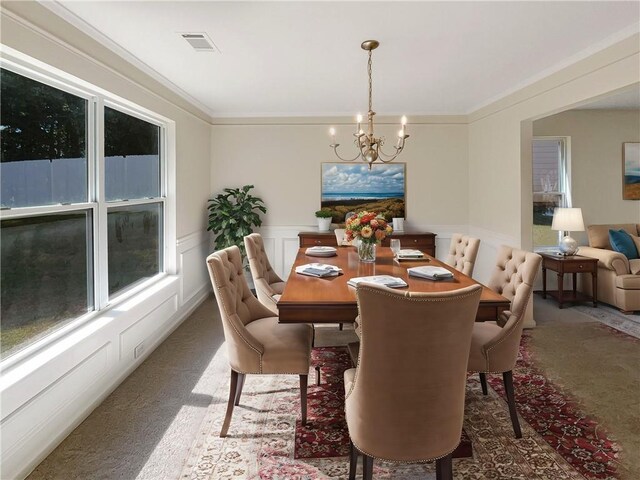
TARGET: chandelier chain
(370,84)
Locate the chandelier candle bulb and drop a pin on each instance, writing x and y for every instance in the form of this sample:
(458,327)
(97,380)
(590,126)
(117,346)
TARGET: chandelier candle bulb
(332,132)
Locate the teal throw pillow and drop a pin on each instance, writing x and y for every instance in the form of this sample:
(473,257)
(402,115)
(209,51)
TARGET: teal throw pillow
(622,242)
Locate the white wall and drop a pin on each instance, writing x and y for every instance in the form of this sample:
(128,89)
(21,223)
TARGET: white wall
(596,161)
(283,157)
(44,397)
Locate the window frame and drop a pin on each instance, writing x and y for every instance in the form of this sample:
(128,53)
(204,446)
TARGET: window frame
(564,180)
(97,98)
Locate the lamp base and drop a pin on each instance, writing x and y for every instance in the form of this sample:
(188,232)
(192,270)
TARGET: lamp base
(568,246)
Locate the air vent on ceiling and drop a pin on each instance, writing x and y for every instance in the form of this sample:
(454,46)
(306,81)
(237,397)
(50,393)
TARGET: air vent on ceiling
(200,42)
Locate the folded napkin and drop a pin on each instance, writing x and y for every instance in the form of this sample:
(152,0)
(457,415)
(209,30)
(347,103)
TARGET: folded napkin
(432,273)
(318,270)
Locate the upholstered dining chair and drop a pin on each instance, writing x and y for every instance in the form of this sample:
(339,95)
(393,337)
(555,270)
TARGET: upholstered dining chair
(256,342)
(494,346)
(462,253)
(405,399)
(269,286)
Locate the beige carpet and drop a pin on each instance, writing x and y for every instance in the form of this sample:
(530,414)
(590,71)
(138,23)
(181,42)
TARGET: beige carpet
(600,367)
(146,428)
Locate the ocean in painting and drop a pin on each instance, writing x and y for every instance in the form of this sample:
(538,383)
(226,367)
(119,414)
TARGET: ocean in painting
(631,179)
(336,196)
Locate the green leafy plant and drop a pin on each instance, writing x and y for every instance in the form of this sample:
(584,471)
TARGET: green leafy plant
(232,216)
(324,214)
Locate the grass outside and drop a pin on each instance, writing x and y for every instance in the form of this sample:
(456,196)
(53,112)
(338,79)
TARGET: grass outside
(45,277)
(543,236)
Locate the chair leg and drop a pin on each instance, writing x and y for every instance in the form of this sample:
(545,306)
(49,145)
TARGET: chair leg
(241,377)
(444,468)
(507,378)
(303,397)
(317,368)
(353,461)
(367,467)
(340,326)
(232,398)
(483,383)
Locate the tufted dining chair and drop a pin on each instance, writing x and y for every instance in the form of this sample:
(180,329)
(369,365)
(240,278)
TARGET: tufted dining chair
(269,286)
(462,253)
(404,402)
(256,342)
(494,346)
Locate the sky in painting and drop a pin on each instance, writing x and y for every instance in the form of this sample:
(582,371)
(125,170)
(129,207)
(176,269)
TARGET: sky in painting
(348,178)
(632,159)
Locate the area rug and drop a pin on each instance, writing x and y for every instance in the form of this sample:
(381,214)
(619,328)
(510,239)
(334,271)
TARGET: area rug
(563,443)
(626,323)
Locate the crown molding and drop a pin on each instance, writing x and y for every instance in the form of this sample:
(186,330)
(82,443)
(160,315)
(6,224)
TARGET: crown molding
(614,39)
(65,14)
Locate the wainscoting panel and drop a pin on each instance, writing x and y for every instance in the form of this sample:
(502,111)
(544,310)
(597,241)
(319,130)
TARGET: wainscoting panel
(47,411)
(192,252)
(145,328)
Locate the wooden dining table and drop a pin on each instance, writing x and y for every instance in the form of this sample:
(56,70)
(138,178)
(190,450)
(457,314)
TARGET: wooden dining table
(307,299)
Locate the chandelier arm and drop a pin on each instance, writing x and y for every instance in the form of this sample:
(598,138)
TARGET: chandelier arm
(335,150)
(393,155)
(387,160)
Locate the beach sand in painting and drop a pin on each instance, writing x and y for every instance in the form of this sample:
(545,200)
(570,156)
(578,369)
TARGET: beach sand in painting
(631,191)
(389,207)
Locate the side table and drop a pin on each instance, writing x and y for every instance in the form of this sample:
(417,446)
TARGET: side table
(573,264)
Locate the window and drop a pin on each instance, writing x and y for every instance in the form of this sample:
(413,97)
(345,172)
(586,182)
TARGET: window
(551,187)
(83,203)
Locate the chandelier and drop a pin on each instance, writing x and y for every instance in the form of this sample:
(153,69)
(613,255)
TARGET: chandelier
(369,146)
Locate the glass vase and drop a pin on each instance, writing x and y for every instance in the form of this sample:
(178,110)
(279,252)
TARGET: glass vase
(367,251)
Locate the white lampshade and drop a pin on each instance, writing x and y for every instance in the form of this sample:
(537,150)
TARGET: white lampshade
(568,219)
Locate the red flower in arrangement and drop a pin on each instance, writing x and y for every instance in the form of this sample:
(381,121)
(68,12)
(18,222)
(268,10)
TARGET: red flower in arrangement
(369,227)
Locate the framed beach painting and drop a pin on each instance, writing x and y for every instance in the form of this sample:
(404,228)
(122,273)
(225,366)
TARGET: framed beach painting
(631,171)
(348,187)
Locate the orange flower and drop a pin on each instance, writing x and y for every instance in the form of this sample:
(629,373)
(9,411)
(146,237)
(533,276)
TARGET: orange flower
(380,234)
(366,232)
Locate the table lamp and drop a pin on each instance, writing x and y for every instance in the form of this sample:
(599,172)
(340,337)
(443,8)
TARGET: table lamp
(568,220)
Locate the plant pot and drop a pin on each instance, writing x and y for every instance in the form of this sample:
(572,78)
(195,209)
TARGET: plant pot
(324,224)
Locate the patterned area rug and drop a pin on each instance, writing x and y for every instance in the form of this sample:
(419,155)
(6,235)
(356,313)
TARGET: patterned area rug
(559,440)
(629,324)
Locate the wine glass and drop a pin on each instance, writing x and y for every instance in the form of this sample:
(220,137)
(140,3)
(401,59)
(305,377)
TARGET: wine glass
(395,246)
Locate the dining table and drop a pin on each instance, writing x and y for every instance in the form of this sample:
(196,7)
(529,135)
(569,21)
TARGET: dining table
(308,299)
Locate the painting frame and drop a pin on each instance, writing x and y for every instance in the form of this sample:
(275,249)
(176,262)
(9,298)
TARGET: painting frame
(631,171)
(347,187)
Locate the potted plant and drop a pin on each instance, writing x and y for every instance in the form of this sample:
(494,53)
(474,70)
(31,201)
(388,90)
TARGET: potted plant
(324,220)
(232,215)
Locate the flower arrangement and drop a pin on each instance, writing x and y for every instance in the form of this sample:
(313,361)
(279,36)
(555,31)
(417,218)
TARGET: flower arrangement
(368,227)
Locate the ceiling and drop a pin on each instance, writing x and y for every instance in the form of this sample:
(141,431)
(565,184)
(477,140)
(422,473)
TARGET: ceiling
(304,58)
(625,100)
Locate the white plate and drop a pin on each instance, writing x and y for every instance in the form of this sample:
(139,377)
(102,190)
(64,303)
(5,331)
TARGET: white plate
(321,254)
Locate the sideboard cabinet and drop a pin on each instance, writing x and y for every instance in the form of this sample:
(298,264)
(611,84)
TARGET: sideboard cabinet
(424,241)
